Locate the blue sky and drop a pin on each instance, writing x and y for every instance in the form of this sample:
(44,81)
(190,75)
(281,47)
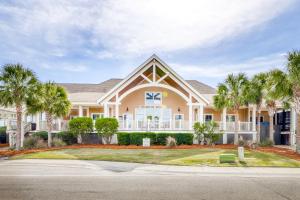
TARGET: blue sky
(91,41)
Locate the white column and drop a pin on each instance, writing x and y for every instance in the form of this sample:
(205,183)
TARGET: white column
(80,111)
(105,106)
(190,116)
(254,118)
(88,112)
(224,138)
(117,108)
(22,128)
(224,119)
(201,117)
(37,121)
(59,124)
(293,128)
(249,114)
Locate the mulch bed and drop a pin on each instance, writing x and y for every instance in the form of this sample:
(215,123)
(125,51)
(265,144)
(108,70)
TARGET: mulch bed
(4,145)
(281,151)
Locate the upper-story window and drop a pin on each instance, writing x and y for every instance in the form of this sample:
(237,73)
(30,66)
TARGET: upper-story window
(153,98)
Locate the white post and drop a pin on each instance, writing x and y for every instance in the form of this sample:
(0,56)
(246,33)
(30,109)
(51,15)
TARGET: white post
(117,107)
(201,117)
(37,121)
(22,128)
(224,138)
(80,111)
(249,114)
(59,124)
(293,128)
(105,110)
(254,118)
(190,116)
(88,112)
(224,118)
(154,73)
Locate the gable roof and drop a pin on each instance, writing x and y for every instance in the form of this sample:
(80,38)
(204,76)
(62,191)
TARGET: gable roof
(138,69)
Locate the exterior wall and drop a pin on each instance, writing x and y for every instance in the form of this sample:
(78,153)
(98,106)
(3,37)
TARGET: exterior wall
(169,100)
(217,115)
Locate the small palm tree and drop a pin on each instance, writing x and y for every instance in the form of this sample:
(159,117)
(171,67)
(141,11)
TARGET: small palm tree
(256,95)
(232,95)
(53,100)
(17,86)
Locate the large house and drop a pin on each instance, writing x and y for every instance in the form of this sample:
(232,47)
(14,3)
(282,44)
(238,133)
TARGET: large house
(155,98)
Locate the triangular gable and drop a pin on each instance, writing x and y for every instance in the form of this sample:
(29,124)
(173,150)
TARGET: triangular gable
(142,74)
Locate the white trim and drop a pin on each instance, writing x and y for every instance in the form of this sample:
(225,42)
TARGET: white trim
(140,69)
(146,78)
(96,113)
(163,77)
(153,85)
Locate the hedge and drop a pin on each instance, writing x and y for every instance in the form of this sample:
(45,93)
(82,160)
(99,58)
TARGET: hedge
(41,134)
(2,130)
(136,138)
(66,136)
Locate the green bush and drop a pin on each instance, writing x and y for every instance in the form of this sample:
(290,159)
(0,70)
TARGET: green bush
(124,138)
(34,142)
(227,158)
(81,125)
(57,142)
(266,143)
(2,130)
(137,138)
(41,134)
(106,127)
(66,136)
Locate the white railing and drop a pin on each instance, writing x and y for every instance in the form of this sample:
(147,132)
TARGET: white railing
(153,125)
(230,126)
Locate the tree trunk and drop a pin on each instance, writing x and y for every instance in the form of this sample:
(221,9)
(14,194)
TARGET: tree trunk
(236,128)
(49,128)
(19,126)
(271,129)
(258,126)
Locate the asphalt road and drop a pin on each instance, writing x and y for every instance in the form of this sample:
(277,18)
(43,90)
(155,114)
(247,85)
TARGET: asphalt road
(62,179)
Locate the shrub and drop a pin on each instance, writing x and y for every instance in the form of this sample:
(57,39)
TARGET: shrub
(123,138)
(227,158)
(106,127)
(57,142)
(199,130)
(2,130)
(81,125)
(66,136)
(241,143)
(266,143)
(34,142)
(137,138)
(171,142)
(41,134)
(184,138)
(210,136)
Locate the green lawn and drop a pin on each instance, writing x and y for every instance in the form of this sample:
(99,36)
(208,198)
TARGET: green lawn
(203,157)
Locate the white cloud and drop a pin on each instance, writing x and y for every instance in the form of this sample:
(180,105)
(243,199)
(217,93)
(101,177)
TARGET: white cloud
(65,67)
(126,27)
(221,70)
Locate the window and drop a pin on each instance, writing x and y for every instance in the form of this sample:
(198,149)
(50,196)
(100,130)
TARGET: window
(208,117)
(178,116)
(230,118)
(97,115)
(153,98)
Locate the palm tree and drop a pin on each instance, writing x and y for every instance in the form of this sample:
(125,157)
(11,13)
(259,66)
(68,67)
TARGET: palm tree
(53,100)
(276,88)
(232,95)
(17,86)
(256,95)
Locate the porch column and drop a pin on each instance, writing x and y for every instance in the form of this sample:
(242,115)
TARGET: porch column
(117,108)
(80,111)
(37,121)
(59,124)
(105,106)
(201,117)
(293,128)
(88,112)
(23,128)
(249,114)
(224,119)
(190,116)
(254,118)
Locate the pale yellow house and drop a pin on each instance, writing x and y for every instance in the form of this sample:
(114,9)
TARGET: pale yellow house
(155,98)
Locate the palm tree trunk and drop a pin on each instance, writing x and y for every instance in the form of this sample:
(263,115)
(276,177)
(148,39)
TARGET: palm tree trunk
(258,126)
(49,128)
(236,128)
(271,128)
(19,126)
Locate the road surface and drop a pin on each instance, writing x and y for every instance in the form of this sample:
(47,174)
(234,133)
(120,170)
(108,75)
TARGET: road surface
(72,179)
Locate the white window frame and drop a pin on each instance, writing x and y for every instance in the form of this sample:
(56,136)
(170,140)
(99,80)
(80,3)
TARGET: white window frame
(231,115)
(178,114)
(152,104)
(206,114)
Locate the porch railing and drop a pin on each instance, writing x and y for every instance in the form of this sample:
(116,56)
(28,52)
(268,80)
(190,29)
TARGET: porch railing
(230,126)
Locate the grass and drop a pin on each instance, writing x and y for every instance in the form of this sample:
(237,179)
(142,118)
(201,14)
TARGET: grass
(201,157)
